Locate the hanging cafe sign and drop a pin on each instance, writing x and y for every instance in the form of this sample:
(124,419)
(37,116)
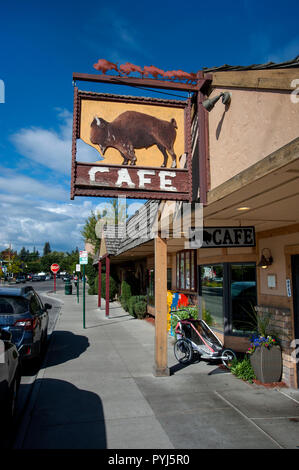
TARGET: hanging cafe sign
(222,237)
(142,145)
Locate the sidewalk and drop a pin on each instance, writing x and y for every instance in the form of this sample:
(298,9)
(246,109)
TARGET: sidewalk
(97,390)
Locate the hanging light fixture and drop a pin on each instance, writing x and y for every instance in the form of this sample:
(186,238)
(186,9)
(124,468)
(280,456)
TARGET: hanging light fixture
(210,102)
(266,259)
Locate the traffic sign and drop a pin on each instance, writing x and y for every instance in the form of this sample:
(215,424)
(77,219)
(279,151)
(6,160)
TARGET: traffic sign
(78,267)
(55,268)
(83,257)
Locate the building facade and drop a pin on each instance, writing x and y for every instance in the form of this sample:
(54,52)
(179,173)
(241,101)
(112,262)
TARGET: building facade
(251,180)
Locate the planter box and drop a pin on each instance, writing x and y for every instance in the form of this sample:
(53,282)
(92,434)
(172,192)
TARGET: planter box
(267,364)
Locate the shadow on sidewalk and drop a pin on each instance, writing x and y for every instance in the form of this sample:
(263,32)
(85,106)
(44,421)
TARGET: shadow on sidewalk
(65,417)
(65,346)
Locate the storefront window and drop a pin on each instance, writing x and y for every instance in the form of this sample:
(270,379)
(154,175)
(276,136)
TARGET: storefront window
(243,297)
(212,295)
(151,287)
(185,270)
(228,296)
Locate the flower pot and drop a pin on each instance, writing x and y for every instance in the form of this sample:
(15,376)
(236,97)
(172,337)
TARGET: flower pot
(267,363)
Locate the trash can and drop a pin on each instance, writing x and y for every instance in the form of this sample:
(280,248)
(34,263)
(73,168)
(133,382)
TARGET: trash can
(68,288)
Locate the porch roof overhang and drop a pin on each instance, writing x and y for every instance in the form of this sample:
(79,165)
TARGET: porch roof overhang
(269,189)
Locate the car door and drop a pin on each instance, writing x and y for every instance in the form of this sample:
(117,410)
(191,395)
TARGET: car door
(8,364)
(43,315)
(36,312)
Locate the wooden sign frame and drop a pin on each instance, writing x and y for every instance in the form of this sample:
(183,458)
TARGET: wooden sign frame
(85,183)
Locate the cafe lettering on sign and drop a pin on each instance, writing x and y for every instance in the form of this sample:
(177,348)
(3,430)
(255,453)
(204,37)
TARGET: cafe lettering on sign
(222,237)
(140,147)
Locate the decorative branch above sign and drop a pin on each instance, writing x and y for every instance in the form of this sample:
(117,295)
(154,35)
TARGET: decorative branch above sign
(126,69)
(143,147)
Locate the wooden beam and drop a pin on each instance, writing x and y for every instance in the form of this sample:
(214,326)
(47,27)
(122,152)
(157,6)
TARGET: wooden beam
(161,335)
(99,283)
(277,79)
(107,285)
(143,82)
(276,232)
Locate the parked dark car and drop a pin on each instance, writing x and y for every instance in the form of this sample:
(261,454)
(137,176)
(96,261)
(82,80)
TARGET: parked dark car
(23,314)
(67,277)
(20,278)
(35,278)
(9,379)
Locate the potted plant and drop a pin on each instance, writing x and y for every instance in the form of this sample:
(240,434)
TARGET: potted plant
(265,358)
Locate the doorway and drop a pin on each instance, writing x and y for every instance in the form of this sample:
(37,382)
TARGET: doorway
(295,283)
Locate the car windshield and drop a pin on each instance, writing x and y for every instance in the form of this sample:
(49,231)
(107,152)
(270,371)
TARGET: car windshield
(13,305)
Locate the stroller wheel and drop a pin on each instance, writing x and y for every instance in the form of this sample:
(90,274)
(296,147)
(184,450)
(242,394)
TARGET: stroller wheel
(228,356)
(183,351)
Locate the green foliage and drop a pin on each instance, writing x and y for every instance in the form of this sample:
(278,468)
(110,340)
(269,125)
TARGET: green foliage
(140,309)
(184,314)
(242,369)
(94,287)
(126,294)
(91,271)
(47,248)
(207,317)
(132,303)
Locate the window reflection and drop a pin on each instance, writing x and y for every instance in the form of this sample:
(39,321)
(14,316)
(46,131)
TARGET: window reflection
(212,295)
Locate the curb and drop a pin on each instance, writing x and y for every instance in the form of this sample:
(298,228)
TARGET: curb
(26,418)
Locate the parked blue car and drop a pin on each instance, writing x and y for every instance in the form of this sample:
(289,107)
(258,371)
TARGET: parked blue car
(23,314)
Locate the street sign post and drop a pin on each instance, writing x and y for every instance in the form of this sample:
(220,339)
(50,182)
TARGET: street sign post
(78,270)
(55,268)
(83,259)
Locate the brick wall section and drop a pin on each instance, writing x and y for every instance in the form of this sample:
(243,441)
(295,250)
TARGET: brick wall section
(280,326)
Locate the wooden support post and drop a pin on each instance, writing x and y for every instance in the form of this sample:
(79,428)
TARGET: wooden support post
(99,283)
(107,284)
(161,335)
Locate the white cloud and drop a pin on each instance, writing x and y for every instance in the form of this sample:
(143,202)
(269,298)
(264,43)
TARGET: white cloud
(30,187)
(50,148)
(28,223)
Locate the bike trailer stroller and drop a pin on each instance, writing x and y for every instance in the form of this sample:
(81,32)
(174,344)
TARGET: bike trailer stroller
(196,336)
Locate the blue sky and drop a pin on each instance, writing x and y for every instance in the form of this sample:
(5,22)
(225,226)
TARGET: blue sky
(43,43)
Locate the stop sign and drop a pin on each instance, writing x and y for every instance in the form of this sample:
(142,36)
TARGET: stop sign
(55,268)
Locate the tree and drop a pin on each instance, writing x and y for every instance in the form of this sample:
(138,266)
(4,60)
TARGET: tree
(14,265)
(47,249)
(89,232)
(112,214)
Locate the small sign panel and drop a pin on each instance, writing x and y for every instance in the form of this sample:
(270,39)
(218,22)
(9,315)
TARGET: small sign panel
(83,257)
(271,281)
(288,286)
(78,268)
(222,237)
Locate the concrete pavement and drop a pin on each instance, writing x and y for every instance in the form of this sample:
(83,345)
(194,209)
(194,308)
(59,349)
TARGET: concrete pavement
(97,390)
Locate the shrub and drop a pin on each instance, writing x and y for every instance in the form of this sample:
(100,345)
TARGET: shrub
(131,305)
(243,369)
(140,309)
(113,288)
(126,294)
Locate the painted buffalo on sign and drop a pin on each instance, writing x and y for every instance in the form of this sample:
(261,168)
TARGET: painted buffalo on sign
(134,130)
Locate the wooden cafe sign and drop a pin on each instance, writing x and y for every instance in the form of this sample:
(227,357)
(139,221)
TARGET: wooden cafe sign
(142,144)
